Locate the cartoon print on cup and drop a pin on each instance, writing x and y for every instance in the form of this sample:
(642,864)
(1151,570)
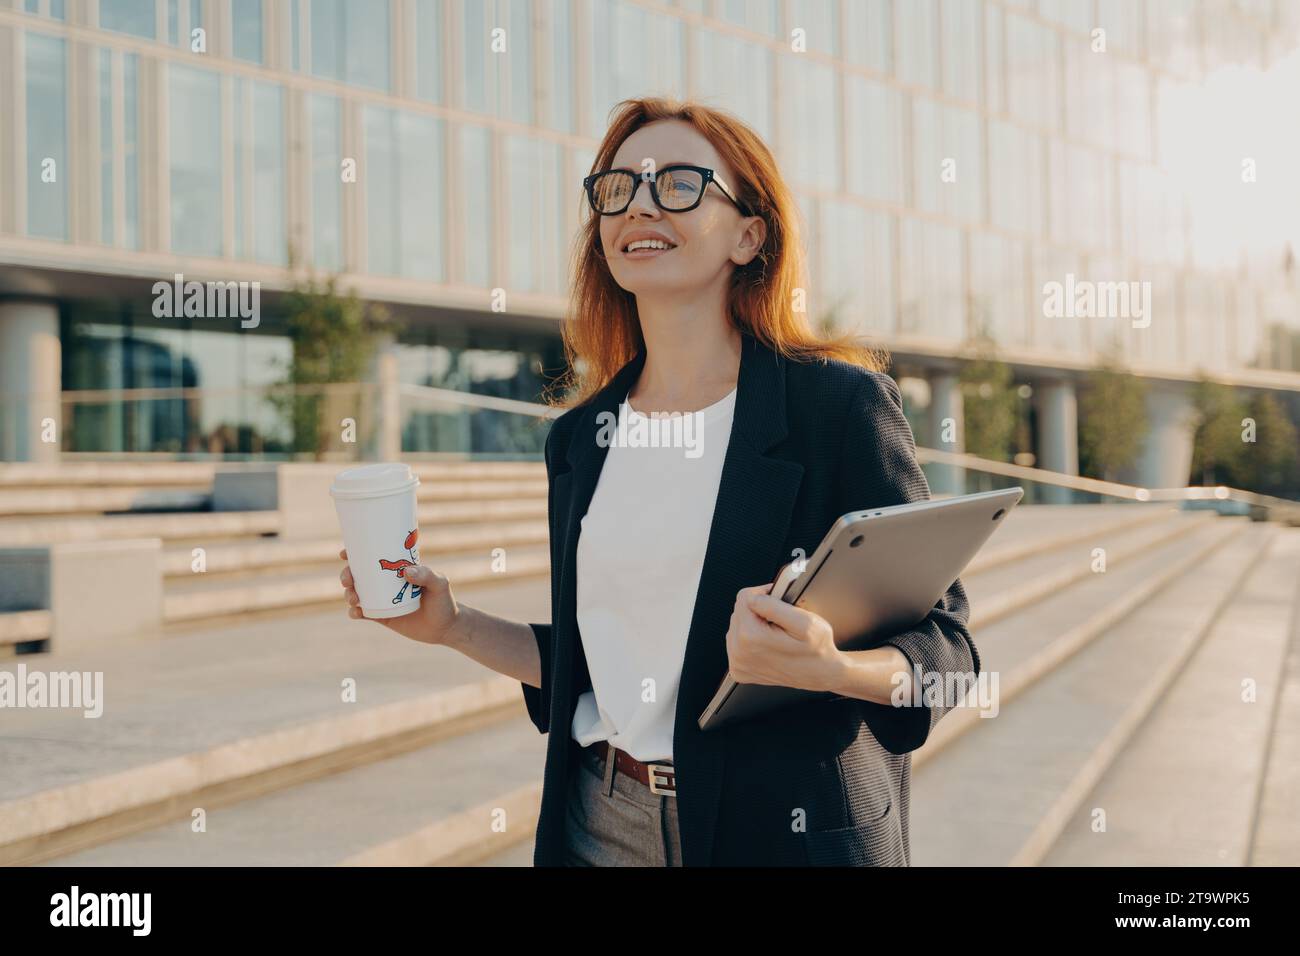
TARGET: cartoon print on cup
(402,564)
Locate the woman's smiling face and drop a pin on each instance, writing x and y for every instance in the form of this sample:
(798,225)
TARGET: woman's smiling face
(706,243)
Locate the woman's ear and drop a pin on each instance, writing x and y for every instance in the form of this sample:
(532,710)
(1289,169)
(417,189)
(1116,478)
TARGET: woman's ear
(751,241)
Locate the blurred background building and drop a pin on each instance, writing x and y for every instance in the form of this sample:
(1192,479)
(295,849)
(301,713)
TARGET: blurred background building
(950,157)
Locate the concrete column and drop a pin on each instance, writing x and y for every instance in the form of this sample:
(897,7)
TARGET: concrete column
(388,402)
(947,427)
(1166,457)
(1058,433)
(31,380)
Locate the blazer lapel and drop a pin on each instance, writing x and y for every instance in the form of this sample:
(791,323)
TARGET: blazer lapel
(751,519)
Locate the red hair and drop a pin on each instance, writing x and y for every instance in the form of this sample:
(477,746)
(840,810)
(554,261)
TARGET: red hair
(602,332)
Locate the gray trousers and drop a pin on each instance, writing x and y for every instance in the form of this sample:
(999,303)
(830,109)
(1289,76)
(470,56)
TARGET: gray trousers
(614,820)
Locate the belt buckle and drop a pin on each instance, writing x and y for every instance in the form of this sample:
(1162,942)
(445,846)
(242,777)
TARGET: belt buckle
(654,771)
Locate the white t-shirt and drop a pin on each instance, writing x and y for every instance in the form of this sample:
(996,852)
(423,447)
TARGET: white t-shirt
(640,554)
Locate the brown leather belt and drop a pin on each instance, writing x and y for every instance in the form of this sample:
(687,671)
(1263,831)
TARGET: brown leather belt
(659,777)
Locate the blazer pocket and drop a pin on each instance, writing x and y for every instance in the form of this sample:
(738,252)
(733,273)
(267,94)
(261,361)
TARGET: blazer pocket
(875,843)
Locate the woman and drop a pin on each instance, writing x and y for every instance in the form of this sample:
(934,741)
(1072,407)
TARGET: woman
(662,551)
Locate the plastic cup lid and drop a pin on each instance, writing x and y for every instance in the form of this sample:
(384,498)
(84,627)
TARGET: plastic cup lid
(372,481)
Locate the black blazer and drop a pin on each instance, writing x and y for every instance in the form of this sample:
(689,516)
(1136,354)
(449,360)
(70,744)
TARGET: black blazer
(809,442)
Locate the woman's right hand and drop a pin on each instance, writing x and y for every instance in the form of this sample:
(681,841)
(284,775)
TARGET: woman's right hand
(431,623)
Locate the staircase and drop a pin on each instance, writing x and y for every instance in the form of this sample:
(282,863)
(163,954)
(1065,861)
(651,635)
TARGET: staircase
(466,511)
(1146,714)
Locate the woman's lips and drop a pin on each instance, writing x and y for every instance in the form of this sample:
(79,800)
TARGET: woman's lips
(647,253)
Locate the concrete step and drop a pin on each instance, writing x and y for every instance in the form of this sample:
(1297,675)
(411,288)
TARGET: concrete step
(1047,631)
(1032,528)
(996,794)
(437,471)
(260,553)
(17,627)
(43,501)
(1183,790)
(143,498)
(449,490)
(199,527)
(1276,837)
(234,712)
(198,596)
(1062,560)
(199,474)
(207,525)
(521,854)
(463,798)
(106,474)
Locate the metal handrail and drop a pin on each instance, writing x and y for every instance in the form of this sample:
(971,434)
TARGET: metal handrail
(924,455)
(1096,486)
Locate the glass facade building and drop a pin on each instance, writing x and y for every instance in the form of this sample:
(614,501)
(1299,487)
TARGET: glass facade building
(950,157)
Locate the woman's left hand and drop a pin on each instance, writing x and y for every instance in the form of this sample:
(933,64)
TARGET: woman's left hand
(771,642)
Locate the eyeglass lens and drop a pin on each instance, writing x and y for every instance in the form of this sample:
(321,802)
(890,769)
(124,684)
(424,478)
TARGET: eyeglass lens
(677,188)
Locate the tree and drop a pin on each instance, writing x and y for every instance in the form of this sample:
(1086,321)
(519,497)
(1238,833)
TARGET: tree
(1270,462)
(1112,419)
(990,404)
(334,336)
(1218,452)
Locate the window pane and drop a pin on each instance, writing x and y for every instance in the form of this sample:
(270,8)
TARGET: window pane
(246,21)
(1090,93)
(350,41)
(949,157)
(857,268)
(131,147)
(820,22)
(562,91)
(136,17)
(757,15)
(428,50)
(476,192)
(735,74)
(404,207)
(519,63)
(875,131)
(47,137)
(868,34)
(1032,64)
(810,121)
(105,78)
(1053,333)
(1016,178)
(634,52)
(961,49)
(195,146)
(931,300)
(999,288)
(918,43)
(326,121)
(268,175)
(533,246)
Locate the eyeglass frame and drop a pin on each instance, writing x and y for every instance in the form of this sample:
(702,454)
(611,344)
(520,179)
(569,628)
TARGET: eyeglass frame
(708,175)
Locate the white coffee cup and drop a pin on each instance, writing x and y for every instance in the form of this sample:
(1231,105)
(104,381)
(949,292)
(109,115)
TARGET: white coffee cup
(377,512)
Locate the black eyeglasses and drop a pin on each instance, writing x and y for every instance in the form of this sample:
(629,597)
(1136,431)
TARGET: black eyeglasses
(678,188)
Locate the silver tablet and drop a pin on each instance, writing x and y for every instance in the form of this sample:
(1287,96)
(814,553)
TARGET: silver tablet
(876,573)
